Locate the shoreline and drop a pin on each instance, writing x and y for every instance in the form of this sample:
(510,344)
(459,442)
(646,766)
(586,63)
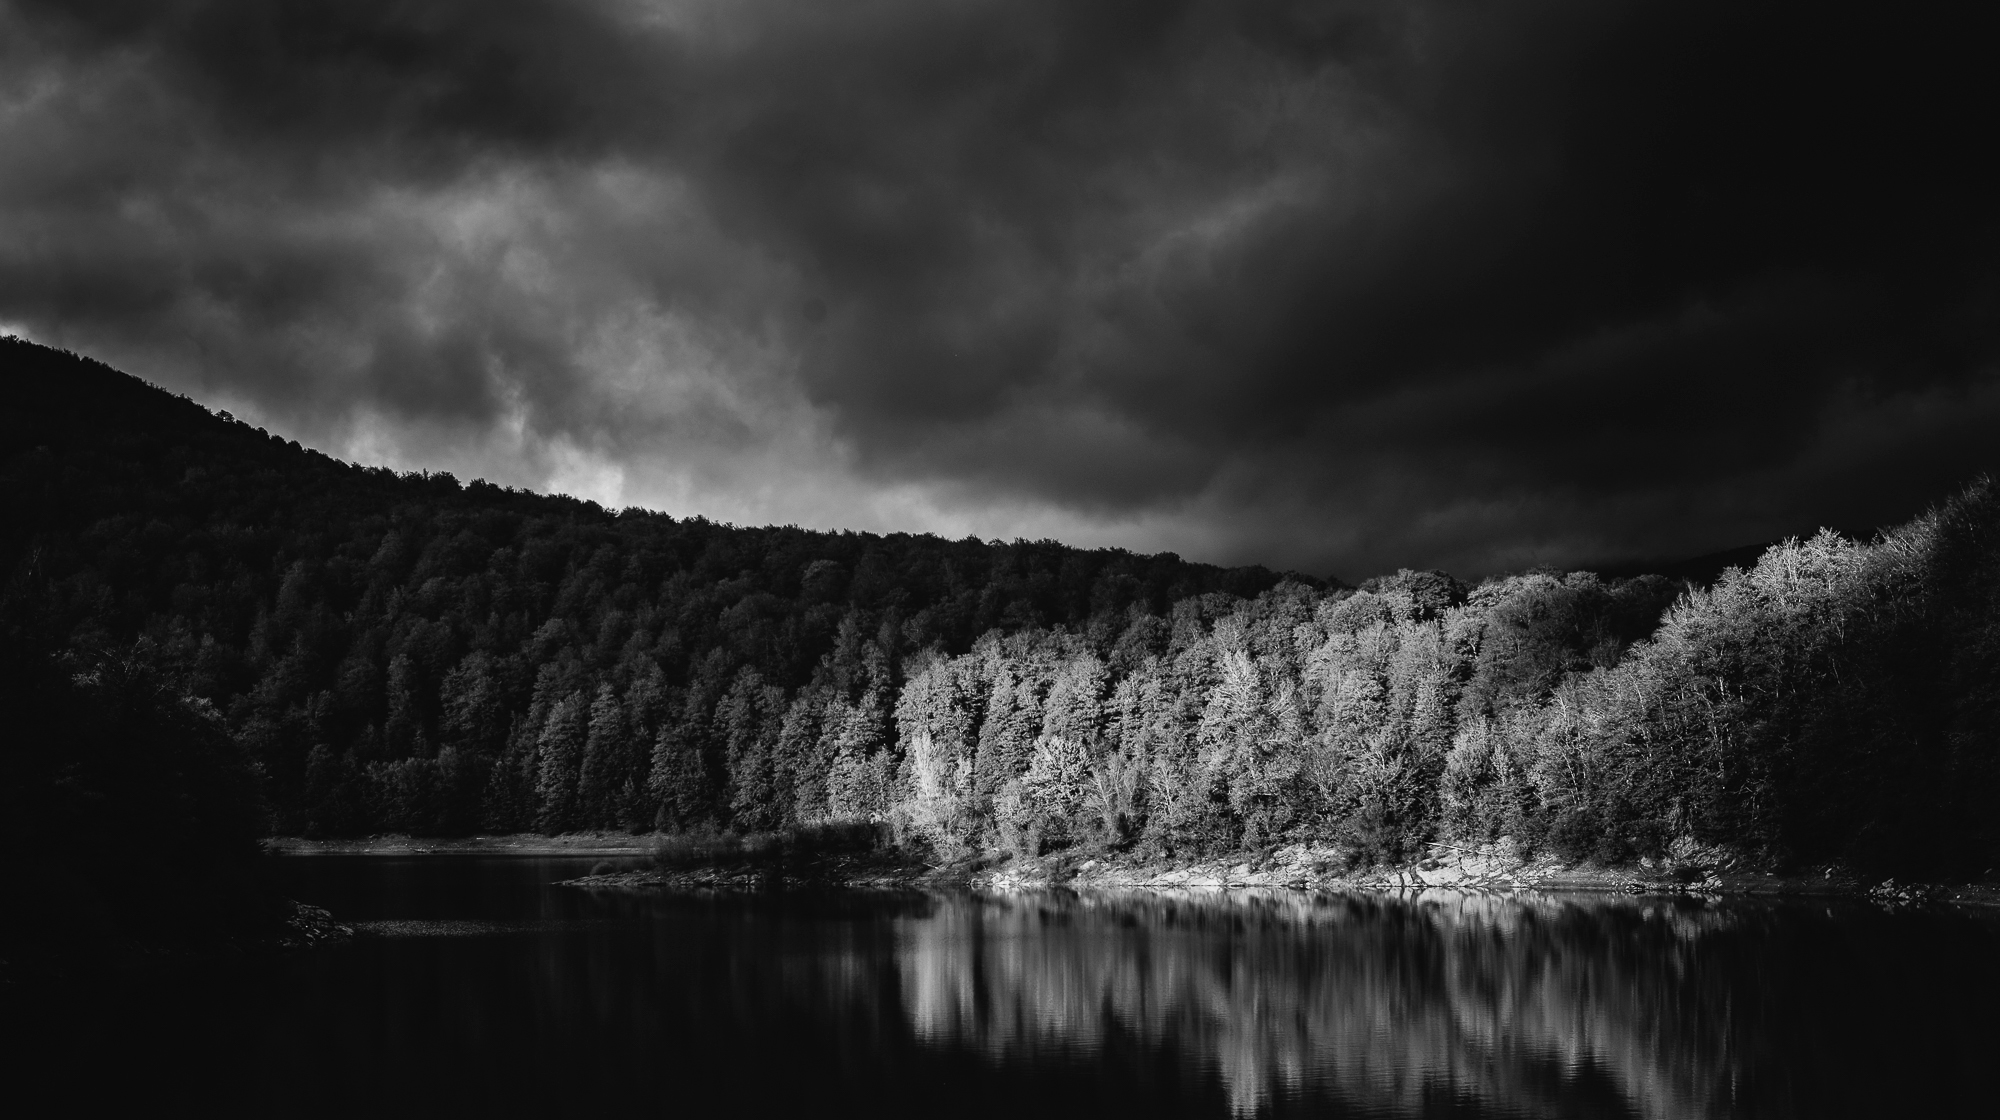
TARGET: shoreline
(510,844)
(1298,869)
(1303,868)
(1489,868)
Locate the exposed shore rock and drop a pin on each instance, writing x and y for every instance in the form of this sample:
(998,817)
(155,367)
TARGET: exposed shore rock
(311,926)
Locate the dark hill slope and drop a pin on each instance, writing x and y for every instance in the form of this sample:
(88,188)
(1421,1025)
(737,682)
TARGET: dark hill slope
(343,616)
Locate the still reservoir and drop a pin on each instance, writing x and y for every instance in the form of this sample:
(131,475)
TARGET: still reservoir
(477,987)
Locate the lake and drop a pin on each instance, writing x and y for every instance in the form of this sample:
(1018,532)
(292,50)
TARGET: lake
(477,987)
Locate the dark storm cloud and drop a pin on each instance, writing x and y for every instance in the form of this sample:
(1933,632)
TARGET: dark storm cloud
(1342,286)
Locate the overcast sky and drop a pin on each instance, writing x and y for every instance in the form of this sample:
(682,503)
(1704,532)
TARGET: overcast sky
(1337,287)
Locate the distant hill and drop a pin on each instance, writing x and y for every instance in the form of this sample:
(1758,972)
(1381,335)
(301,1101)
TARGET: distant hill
(84,442)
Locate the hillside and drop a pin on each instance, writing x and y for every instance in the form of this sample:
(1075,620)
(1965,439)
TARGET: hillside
(411,653)
(347,619)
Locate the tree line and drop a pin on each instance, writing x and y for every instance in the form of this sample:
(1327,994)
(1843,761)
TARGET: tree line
(1837,701)
(406,653)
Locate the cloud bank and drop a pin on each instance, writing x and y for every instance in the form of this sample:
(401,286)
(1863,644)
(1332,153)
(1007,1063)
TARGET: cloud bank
(1334,286)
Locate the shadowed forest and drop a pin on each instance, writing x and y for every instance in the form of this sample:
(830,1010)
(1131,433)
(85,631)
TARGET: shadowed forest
(387,652)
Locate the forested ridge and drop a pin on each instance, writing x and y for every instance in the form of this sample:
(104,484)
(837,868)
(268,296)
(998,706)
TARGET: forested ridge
(409,653)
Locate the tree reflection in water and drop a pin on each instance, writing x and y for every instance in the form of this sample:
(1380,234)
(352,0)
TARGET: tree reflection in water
(1421,1004)
(478,988)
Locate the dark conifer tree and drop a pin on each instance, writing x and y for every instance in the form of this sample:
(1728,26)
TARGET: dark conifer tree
(605,763)
(559,750)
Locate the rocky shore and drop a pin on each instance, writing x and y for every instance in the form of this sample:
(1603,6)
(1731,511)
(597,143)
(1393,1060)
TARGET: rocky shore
(1688,870)
(1450,868)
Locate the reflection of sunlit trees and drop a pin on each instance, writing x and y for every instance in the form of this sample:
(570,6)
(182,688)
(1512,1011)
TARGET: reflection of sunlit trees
(1370,1002)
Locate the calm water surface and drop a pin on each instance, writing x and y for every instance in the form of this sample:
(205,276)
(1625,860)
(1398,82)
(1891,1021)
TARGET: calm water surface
(478,988)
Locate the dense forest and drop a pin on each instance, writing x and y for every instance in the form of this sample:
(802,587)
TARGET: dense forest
(408,653)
